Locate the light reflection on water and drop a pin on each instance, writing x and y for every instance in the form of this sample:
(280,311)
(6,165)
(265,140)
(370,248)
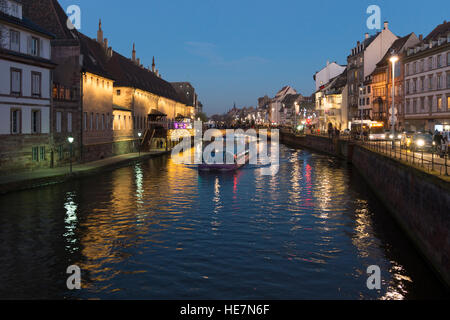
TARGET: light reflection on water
(162,230)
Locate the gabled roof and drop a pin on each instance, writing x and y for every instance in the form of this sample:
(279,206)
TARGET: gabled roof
(441,30)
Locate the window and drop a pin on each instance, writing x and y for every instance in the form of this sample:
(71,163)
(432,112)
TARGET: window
(96,122)
(430,82)
(92,121)
(118,92)
(448,102)
(42,154)
(35,84)
(107,121)
(35,121)
(439,61)
(448,80)
(368,101)
(69,122)
(438,81)
(85,121)
(14,40)
(33,46)
(58,121)
(16,121)
(16,82)
(422,103)
(430,63)
(415,106)
(368,89)
(439,103)
(60,152)
(448,58)
(35,153)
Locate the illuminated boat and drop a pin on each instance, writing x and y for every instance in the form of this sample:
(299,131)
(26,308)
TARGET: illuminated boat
(240,160)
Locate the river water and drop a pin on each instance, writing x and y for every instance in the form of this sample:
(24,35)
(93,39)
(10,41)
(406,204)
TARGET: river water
(160,230)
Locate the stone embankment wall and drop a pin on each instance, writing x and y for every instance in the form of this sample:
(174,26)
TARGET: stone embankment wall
(419,201)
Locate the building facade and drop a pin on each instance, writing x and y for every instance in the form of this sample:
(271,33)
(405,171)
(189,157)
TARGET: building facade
(25,91)
(361,63)
(427,82)
(381,85)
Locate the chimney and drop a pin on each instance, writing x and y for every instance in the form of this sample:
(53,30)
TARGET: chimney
(386,25)
(367,35)
(421,37)
(157,73)
(138,61)
(133,57)
(153,65)
(105,43)
(109,52)
(100,32)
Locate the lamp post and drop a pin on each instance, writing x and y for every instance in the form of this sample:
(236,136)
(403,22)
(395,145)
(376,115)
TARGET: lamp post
(361,111)
(393,60)
(139,135)
(71,139)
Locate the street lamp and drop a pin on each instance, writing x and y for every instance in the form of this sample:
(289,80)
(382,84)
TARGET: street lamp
(71,139)
(361,111)
(393,60)
(139,135)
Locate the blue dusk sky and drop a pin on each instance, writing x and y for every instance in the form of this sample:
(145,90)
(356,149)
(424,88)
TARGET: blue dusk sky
(236,51)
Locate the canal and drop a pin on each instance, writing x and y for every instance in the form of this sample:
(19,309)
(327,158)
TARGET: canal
(160,230)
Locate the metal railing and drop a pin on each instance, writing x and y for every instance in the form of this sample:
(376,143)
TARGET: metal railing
(432,161)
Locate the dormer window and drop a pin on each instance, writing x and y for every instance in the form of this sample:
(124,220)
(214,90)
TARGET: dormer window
(15,9)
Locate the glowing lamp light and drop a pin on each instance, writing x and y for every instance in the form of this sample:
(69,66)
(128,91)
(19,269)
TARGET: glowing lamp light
(70,139)
(139,134)
(394,59)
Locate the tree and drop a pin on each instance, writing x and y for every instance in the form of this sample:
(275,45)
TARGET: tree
(202,116)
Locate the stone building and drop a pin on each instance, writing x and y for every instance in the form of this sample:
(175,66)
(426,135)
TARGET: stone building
(427,82)
(107,97)
(25,91)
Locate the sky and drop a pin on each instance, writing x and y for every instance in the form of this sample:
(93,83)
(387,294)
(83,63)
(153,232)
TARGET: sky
(236,51)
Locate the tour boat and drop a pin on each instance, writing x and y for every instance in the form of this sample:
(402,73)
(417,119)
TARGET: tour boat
(240,160)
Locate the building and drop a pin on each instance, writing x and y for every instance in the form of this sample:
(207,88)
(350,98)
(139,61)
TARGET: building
(25,91)
(187,92)
(108,98)
(331,103)
(361,63)
(276,105)
(324,76)
(427,82)
(379,85)
(290,110)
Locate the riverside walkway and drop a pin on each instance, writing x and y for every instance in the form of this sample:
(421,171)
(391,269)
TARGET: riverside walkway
(42,177)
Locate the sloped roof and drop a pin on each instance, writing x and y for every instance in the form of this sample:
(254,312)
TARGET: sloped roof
(94,57)
(398,47)
(128,74)
(441,29)
(25,23)
(290,99)
(49,15)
